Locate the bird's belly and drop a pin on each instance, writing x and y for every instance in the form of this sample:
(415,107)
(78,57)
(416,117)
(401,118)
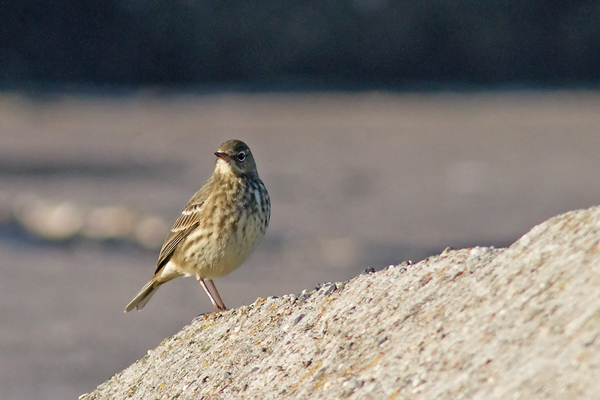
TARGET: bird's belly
(217,254)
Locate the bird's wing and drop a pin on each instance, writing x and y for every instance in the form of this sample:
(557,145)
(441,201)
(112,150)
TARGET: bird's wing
(184,225)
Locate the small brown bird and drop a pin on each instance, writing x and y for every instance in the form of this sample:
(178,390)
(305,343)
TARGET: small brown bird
(218,229)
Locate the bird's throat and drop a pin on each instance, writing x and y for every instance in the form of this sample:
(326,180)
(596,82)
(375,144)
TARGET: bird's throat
(223,168)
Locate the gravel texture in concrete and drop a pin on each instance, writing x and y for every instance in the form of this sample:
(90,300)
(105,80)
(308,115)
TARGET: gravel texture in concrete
(521,322)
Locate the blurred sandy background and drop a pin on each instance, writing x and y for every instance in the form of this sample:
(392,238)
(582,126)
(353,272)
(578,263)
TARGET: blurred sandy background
(357,180)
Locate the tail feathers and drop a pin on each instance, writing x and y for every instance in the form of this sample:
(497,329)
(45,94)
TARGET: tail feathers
(140,300)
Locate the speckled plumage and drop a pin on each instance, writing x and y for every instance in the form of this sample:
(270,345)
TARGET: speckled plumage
(218,229)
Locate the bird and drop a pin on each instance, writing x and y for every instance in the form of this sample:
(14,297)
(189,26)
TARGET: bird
(219,228)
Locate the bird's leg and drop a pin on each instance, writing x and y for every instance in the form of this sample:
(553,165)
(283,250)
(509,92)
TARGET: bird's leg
(212,299)
(217,294)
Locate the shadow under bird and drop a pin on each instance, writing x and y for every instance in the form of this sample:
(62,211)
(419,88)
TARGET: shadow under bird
(219,228)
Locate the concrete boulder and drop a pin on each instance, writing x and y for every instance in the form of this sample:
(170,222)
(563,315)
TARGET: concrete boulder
(521,322)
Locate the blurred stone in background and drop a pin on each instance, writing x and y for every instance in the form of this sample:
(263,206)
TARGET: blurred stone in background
(62,221)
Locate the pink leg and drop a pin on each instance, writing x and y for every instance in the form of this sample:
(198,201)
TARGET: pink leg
(221,304)
(212,299)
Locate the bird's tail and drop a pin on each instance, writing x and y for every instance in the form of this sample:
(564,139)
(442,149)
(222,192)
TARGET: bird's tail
(140,300)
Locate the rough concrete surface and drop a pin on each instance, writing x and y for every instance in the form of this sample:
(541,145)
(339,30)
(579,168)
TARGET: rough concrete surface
(521,322)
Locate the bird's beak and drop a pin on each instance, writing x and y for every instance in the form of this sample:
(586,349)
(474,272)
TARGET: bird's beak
(223,156)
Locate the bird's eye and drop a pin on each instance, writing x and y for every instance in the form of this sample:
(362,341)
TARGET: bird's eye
(241,156)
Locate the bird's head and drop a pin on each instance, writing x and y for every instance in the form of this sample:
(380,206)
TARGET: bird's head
(234,157)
